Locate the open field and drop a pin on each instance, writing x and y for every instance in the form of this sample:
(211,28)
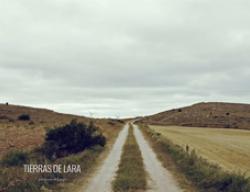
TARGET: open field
(229,148)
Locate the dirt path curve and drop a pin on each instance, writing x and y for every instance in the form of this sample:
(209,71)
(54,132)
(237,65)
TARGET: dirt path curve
(160,178)
(102,180)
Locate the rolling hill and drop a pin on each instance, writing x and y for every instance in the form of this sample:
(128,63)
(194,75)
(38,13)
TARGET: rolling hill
(28,134)
(211,114)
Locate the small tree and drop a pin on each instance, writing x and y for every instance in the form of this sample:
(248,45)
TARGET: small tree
(71,138)
(179,110)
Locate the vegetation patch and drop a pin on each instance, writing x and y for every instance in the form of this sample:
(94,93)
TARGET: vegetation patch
(14,158)
(131,175)
(206,176)
(71,138)
(24,117)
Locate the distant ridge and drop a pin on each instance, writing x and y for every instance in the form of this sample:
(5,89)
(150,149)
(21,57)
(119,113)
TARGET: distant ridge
(11,112)
(211,114)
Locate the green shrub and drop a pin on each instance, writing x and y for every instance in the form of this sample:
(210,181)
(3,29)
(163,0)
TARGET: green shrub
(71,138)
(24,117)
(15,158)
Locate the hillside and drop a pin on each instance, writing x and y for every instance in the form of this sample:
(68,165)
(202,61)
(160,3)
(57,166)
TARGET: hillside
(212,114)
(19,134)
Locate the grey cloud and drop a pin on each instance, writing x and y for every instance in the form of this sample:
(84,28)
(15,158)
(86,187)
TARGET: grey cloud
(123,57)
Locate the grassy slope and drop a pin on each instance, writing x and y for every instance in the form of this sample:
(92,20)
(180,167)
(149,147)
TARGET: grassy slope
(227,147)
(29,135)
(13,179)
(131,175)
(212,114)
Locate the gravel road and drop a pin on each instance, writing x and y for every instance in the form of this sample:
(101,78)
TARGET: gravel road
(102,180)
(160,178)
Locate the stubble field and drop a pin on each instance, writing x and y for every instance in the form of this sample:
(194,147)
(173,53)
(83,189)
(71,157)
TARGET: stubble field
(229,148)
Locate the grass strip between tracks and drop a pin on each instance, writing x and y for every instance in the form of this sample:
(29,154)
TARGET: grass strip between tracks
(131,175)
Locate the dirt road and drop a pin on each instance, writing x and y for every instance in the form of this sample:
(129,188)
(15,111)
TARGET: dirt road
(102,180)
(160,178)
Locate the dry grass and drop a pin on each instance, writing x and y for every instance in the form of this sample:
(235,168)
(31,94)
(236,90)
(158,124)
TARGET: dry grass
(131,175)
(229,148)
(26,135)
(205,176)
(211,114)
(29,135)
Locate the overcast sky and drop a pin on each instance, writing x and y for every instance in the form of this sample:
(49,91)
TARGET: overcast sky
(123,58)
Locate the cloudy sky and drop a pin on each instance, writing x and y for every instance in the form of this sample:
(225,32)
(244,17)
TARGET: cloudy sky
(123,58)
